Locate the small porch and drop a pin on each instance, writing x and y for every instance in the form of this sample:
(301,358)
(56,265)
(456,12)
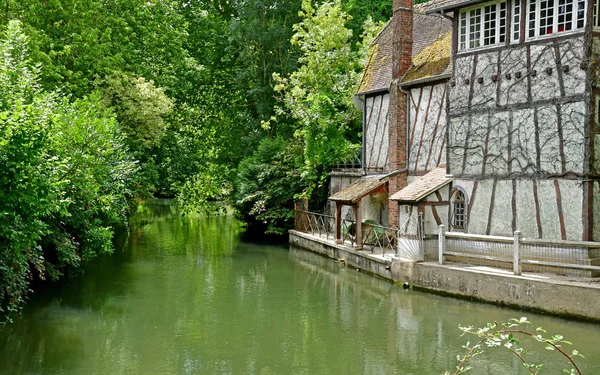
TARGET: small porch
(368,199)
(422,207)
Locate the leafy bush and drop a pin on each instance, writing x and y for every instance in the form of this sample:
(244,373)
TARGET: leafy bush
(266,184)
(65,176)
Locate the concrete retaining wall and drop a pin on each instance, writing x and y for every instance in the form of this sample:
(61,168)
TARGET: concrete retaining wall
(535,292)
(375,265)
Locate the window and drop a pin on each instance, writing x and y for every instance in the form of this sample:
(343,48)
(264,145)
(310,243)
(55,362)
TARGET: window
(482,26)
(547,17)
(596,20)
(459,211)
(516,24)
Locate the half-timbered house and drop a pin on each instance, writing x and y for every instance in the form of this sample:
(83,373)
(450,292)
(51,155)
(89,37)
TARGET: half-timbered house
(481,115)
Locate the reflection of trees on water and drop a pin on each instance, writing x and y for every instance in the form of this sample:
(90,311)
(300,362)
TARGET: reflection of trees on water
(420,331)
(185,297)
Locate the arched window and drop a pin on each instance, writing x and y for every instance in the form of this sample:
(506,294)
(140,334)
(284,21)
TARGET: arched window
(459,218)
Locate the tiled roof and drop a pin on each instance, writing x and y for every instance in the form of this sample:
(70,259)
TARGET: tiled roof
(378,72)
(434,6)
(423,186)
(356,191)
(430,52)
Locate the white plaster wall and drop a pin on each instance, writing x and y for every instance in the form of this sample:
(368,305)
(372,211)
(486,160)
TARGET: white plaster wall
(571,54)
(376,131)
(502,214)
(573,125)
(478,131)
(457,136)
(375,207)
(572,207)
(484,94)
(459,94)
(496,160)
(544,86)
(548,210)
(480,206)
(595,61)
(523,145)
(513,90)
(428,119)
(526,210)
(408,218)
(420,98)
(549,142)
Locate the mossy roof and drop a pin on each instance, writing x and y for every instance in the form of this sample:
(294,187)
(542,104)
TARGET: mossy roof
(430,52)
(431,61)
(378,72)
(423,186)
(361,188)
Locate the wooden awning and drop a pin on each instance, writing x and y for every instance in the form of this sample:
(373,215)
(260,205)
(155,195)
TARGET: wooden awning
(423,186)
(361,188)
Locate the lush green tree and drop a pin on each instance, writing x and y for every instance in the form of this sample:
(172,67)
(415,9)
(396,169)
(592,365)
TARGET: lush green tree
(266,184)
(362,10)
(65,176)
(318,95)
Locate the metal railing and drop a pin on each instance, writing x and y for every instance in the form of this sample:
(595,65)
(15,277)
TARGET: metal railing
(376,238)
(314,223)
(574,258)
(381,239)
(351,161)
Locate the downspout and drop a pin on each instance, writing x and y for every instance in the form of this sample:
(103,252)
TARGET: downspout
(364,136)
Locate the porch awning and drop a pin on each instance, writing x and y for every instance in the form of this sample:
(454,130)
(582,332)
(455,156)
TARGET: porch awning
(361,188)
(423,186)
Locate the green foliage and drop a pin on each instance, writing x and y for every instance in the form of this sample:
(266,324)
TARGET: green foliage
(318,95)
(267,182)
(506,335)
(65,176)
(140,106)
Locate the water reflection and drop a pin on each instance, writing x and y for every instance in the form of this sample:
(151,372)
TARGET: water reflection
(185,296)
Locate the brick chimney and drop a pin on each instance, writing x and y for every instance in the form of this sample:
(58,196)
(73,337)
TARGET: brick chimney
(402,23)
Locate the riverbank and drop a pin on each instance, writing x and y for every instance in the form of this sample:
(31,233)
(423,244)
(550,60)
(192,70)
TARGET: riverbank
(564,296)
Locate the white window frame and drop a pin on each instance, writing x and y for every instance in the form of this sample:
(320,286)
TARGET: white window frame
(578,5)
(596,15)
(466,42)
(515,26)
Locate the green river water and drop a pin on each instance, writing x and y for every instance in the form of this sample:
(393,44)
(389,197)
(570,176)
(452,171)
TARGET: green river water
(184,295)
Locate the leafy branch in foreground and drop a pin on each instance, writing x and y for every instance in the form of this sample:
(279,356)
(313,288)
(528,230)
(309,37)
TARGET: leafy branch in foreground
(506,335)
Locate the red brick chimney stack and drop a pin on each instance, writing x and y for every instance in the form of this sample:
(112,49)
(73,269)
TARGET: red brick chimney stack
(402,23)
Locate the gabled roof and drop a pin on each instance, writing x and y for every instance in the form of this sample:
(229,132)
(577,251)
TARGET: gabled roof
(361,188)
(423,186)
(430,52)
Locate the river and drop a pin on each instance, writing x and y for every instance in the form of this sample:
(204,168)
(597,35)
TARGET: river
(184,295)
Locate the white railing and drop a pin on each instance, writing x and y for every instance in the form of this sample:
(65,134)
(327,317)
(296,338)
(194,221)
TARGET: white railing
(578,258)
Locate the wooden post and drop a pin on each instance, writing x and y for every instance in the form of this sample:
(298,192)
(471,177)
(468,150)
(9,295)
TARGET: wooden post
(338,223)
(441,243)
(358,218)
(516,255)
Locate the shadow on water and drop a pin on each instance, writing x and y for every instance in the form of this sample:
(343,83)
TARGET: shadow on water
(184,295)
